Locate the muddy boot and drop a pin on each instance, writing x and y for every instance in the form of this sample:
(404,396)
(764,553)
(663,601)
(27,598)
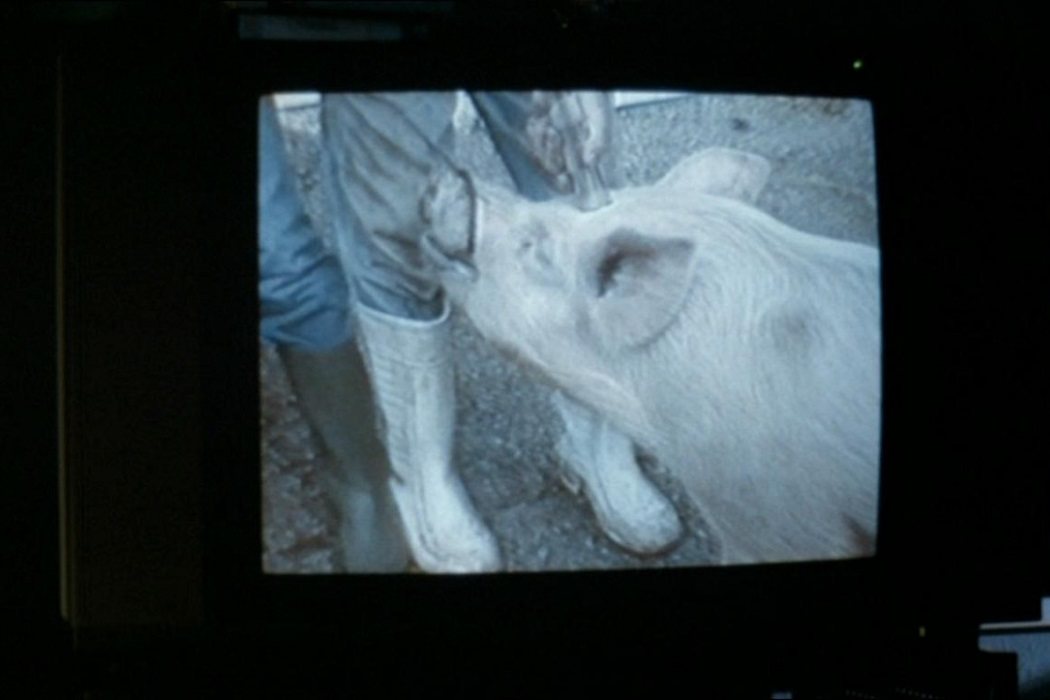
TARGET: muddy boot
(410,364)
(600,461)
(335,397)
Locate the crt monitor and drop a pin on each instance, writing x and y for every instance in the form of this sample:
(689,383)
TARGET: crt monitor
(694,269)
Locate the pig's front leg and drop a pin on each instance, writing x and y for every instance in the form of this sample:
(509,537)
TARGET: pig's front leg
(600,460)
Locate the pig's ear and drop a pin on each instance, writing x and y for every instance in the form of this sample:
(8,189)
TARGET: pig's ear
(639,284)
(720,171)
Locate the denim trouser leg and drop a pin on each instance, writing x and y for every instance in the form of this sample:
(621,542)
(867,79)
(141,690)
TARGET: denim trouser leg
(380,152)
(303,292)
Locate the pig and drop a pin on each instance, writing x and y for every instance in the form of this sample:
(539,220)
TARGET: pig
(742,354)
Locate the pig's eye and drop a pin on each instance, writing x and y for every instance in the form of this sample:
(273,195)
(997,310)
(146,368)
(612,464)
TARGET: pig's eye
(535,256)
(527,249)
(535,247)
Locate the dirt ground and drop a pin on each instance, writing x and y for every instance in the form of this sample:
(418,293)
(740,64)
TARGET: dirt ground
(823,182)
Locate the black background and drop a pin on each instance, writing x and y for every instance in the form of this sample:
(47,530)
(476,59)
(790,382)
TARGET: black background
(139,112)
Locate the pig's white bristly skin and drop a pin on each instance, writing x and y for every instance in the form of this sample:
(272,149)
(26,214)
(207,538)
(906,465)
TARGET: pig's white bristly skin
(743,354)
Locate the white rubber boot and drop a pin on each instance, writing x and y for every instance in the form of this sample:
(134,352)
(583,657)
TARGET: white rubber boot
(411,367)
(600,460)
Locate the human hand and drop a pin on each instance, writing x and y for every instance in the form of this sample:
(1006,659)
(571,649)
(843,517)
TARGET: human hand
(570,134)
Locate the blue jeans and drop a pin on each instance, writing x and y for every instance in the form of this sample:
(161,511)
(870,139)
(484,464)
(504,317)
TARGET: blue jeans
(303,293)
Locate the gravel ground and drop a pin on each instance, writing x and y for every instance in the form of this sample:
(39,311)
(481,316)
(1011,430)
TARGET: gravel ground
(823,181)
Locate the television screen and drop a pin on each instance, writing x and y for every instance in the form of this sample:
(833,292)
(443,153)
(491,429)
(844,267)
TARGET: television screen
(567,331)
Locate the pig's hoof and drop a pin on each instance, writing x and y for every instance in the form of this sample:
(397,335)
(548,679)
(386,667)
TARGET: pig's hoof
(629,508)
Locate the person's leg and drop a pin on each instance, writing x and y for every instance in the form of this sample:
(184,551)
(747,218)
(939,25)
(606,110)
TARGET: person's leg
(380,152)
(304,309)
(598,458)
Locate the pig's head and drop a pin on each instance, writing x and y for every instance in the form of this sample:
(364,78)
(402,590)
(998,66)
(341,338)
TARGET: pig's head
(572,293)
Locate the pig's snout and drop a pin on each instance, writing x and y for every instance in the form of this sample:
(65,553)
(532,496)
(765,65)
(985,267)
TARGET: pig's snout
(449,208)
